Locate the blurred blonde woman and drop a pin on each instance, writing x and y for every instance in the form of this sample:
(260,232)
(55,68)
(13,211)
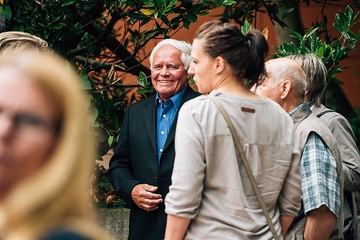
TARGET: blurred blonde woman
(46,150)
(14,41)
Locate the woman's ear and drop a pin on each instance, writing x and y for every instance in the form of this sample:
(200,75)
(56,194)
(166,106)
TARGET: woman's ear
(219,65)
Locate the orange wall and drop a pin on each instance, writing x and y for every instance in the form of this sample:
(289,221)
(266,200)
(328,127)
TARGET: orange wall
(350,76)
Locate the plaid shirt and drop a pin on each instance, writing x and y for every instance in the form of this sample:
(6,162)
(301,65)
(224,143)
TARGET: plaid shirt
(319,180)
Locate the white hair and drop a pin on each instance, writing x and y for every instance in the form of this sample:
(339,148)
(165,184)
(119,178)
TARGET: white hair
(183,46)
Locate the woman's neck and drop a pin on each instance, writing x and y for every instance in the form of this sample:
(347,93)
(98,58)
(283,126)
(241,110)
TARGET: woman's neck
(235,87)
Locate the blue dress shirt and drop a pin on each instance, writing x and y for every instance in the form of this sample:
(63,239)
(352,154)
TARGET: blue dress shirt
(166,112)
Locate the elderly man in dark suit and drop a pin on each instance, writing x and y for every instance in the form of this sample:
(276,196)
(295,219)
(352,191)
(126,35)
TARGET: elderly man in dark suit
(141,167)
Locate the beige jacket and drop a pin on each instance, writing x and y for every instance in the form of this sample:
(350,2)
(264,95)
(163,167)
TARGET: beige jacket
(306,122)
(209,187)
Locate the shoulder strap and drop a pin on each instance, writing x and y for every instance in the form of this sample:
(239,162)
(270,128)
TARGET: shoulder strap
(246,164)
(324,112)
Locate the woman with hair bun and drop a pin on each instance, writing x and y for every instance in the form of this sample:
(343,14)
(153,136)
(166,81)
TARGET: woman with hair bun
(211,196)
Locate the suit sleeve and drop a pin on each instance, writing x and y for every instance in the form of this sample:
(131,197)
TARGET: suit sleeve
(349,152)
(120,171)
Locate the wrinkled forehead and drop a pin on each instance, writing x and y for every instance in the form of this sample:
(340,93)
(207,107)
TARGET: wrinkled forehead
(270,68)
(168,51)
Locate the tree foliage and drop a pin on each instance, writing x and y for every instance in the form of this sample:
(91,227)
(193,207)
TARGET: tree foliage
(330,50)
(105,40)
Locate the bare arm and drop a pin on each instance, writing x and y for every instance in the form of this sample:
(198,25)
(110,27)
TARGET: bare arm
(319,224)
(176,227)
(285,222)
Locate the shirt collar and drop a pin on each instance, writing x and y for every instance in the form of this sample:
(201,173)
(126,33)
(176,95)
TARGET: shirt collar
(294,111)
(176,99)
(310,104)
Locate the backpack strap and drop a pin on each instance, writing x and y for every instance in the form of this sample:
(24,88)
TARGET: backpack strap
(324,112)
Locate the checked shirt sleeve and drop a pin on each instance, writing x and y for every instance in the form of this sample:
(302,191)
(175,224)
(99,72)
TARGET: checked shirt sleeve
(320,183)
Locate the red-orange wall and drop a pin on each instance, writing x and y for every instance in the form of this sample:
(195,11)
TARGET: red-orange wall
(309,14)
(351,75)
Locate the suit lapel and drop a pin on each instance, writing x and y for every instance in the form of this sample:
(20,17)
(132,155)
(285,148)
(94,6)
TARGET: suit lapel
(189,94)
(149,114)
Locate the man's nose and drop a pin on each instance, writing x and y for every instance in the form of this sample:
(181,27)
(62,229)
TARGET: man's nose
(6,126)
(164,71)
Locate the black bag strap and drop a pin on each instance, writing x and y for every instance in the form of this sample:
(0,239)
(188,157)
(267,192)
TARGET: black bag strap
(324,112)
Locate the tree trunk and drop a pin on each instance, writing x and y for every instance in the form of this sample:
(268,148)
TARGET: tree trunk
(291,19)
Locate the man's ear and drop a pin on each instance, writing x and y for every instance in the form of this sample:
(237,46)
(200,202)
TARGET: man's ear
(306,92)
(285,87)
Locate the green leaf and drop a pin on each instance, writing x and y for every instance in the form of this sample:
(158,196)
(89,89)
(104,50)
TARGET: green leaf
(68,2)
(191,80)
(158,4)
(245,27)
(94,115)
(228,2)
(320,52)
(349,14)
(7,12)
(137,16)
(191,18)
(172,3)
(186,23)
(85,81)
(203,13)
(287,11)
(311,32)
(110,140)
(142,79)
(20,28)
(57,26)
(144,91)
(109,105)
(296,35)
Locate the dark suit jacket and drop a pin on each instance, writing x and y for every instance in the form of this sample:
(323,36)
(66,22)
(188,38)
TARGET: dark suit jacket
(135,162)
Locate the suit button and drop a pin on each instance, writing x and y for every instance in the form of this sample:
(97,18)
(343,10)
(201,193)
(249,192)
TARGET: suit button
(155,179)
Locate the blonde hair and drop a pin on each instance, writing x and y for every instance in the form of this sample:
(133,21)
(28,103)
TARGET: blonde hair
(55,197)
(14,42)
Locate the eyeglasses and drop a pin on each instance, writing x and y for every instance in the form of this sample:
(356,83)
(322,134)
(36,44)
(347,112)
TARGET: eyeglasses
(28,127)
